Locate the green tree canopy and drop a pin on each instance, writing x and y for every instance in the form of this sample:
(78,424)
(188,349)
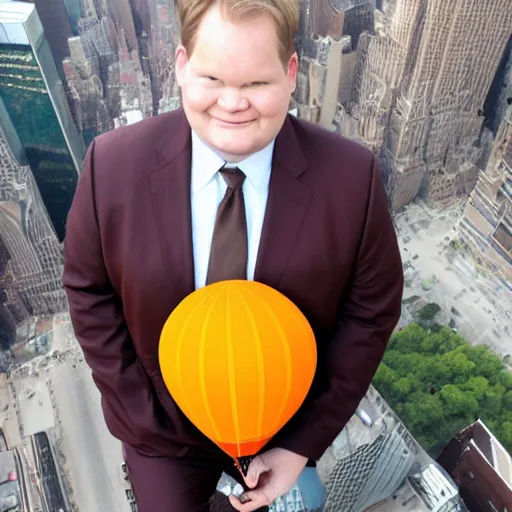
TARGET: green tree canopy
(438,383)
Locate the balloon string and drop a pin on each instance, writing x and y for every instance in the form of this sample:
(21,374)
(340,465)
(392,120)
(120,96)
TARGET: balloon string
(237,466)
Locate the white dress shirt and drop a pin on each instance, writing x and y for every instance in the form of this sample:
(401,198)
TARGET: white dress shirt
(207,191)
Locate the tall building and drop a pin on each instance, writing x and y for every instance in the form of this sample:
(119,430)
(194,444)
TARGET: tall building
(89,9)
(57,25)
(419,88)
(500,96)
(122,14)
(97,36)
(74,13)
(481,467)
(7,321)
(357,20)
(142,15)
(36,105)
(322,18)
(328,36)
(86,95)
(375,464)
(33,268)
(439,109)
(486,227)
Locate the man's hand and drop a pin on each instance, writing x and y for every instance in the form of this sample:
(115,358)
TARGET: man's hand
(270,475)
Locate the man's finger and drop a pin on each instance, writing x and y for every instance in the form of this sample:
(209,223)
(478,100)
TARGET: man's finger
(256,468)
(235,502)
(244,504)
(256,500)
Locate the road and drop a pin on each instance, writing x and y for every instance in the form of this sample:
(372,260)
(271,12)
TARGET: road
(92,455)
(57,395)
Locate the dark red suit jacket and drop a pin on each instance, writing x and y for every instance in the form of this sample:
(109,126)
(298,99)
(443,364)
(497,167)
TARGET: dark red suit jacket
(328,244)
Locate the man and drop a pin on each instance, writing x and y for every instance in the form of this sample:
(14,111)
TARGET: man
(228,187)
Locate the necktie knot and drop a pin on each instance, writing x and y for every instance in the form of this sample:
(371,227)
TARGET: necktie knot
(234,178)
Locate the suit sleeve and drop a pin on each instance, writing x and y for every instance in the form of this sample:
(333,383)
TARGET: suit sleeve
(368,313)
(100,328)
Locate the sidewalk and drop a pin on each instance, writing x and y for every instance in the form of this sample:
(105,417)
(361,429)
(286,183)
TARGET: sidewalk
(8,415)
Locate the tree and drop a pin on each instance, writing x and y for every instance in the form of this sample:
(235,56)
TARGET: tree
(505,434)
(478,386)
(507,401)
(457,402)
(407,339)
(429,311)
(438,384)
(386,377)
(460,368)
(489,365)
(505,379)
(492,402)
(402,388)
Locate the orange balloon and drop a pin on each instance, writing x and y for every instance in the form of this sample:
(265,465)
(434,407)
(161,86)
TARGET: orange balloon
(238,358)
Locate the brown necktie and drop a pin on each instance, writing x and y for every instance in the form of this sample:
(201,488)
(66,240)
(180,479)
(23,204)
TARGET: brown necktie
(228,255)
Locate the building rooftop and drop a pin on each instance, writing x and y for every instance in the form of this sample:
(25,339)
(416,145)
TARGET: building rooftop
(481,467)
(493,451)
(15,12)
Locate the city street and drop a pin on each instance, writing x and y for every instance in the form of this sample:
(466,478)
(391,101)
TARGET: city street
(92,455)
(57,396)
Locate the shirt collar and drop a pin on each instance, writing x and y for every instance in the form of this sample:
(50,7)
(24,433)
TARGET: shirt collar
(206,163)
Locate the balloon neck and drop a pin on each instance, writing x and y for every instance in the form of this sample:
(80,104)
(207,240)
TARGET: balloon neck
(242,464)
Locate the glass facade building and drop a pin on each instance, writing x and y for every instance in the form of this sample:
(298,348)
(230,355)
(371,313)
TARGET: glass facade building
(36,104)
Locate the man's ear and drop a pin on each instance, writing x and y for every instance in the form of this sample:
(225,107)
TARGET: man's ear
(181,61)
(293,69)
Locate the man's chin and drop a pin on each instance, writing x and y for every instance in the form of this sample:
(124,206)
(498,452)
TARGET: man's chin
(234,155)
(236,152)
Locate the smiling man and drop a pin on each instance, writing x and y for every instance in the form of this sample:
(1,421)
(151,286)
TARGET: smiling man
(229,187)
(235,74)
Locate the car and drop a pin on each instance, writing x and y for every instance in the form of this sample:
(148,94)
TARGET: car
(124,471)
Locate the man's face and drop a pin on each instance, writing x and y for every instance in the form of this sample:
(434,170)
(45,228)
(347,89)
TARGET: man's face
(235,89)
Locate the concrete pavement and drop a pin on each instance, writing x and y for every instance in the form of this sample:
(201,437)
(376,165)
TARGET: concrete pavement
(92,455)
(55,395)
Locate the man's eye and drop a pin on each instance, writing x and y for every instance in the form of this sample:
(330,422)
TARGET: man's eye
(212,78)
(257,84)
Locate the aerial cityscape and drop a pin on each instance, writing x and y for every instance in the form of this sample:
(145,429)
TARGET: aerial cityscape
(427,86)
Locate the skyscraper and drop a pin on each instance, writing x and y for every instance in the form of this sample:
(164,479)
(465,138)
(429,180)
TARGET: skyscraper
(481,467)
(419,89)
(486,227)
(142,16)
(438,114)
(321,18)
(74,12)
(56,22)
(86,92)
(36,105)
(122,14)
(32,254)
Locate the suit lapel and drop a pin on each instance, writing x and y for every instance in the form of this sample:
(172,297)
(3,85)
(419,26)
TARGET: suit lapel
(170,193)
(287,205)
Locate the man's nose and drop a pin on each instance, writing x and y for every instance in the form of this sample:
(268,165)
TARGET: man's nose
(232,99)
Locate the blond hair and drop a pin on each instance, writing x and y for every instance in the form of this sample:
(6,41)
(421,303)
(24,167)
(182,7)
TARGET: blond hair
(284,12)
